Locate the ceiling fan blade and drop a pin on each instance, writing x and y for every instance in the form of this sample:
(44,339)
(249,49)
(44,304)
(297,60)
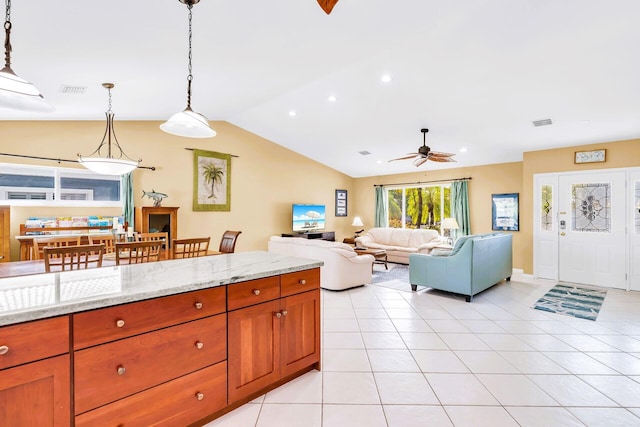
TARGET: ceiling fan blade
(440,154)
(408,156)
(441,159)
(419,161)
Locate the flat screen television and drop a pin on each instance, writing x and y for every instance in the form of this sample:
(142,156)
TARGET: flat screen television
(308,218)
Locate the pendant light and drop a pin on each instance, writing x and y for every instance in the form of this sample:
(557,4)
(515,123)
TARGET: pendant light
(17,93)
(188,123)
(109,158)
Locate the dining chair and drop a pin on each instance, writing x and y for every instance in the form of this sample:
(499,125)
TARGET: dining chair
(189,248)
(72,257)
(40,242)
(107,239)
(138,252)
(162,236)
(228,241)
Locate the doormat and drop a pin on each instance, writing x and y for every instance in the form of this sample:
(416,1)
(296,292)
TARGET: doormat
(570,300)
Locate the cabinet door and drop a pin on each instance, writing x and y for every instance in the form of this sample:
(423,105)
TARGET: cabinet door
(300,337)
(36,394)
(254,348)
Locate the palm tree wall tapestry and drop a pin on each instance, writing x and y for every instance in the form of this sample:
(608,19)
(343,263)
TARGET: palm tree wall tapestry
(211,181)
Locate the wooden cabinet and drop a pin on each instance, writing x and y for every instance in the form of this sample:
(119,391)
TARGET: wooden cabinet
(35,374)
(274,339)
(149,219)
(5,229)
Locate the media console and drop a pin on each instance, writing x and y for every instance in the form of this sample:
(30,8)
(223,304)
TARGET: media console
(324,235)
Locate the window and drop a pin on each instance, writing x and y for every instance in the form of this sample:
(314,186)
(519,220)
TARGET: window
(419,207)
(49,186)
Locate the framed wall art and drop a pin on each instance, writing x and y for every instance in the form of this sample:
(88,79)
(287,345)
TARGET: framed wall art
(211,181)
(592,156)
(341,202)
(504,212)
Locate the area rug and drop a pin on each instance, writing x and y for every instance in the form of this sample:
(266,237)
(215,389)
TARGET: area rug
(397,277)
(570,300)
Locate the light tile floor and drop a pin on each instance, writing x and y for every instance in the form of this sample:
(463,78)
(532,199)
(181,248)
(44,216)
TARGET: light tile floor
(400,359)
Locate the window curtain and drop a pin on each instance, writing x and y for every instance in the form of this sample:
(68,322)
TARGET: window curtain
(381,207)
(126,184)
(460,207)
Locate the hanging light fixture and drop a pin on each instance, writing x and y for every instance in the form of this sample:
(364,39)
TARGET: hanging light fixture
(15,92)
(189,123)
(110,158)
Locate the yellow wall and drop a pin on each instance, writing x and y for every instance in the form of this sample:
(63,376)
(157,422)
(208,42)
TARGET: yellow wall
(485,180)
(266,178)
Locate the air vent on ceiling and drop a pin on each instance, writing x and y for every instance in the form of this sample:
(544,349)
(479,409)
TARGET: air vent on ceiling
(73,90)
(364,152)
(543,122)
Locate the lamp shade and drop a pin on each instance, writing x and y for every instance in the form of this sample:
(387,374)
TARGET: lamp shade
(18,94)
(450,224)
(107,166)
(357,222)
(188,123)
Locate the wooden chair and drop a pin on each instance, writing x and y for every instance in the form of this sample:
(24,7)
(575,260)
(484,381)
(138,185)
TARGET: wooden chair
(228,241)
(160,236)
(189,248)
(106,239)
(72,257)
(138,252)
(56,242)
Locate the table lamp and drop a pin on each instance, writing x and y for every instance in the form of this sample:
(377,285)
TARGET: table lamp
(357,222)
(449,224)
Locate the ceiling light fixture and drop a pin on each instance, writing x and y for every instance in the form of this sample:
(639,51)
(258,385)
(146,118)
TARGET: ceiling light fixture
(114,161)
(386,78)
(188,123)
(16,92)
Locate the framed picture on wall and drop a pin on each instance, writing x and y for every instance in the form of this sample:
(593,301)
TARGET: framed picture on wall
(504,212)
(341,202)
(211,181)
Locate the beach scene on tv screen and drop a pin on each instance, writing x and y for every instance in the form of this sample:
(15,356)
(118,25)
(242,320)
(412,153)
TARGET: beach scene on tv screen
(308,217)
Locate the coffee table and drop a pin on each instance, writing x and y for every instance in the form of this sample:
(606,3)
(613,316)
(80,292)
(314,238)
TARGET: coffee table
(379,255)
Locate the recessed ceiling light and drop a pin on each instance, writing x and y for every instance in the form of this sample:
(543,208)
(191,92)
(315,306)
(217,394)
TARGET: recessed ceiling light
(332,98)
(386,78)
(463,150)
(379,162)
(292,113)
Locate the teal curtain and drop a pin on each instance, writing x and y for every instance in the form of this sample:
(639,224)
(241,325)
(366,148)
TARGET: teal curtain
(381,207)
(126,185)
(460,208)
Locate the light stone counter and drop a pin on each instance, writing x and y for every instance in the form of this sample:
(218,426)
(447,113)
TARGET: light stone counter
(40,296)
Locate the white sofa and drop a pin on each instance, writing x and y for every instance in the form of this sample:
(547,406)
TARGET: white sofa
(400,242)
(343,268)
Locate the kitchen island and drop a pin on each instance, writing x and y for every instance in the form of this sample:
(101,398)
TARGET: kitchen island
(177,342)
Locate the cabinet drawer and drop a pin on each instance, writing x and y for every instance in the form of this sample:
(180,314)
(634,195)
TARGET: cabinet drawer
(300,281)
(108,324)
(26,342)
(112,371)
(252,292)
(178,403)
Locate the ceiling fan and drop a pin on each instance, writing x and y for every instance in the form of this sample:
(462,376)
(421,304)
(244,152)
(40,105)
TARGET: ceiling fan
(424,153)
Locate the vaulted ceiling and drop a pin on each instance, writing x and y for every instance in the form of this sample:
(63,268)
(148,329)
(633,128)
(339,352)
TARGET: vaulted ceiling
(477,73)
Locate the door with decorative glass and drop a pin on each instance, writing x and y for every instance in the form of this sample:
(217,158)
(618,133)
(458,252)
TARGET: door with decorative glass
(592,245)
(545,227)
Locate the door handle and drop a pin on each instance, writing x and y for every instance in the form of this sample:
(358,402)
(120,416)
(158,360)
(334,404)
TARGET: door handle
(563,233)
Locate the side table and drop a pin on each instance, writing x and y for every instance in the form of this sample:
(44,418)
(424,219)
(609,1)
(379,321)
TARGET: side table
(379,255)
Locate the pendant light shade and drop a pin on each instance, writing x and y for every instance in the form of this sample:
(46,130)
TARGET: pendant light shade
(109,158)
(188,123)
(15,92)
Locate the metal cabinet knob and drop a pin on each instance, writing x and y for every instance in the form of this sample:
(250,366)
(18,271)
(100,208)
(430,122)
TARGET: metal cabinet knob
(302,282)
(198,305)
(120,323)
(278,315)
(199,395)
(256,291)
(4,350)
(284,312)
(121,370)
(199,345)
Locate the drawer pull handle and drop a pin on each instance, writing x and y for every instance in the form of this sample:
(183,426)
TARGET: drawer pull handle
(199,345)
(284,312)
(198,305)
(302,282)
(278,315)
(4,350)
(121,370)
(256,291)
(120,323)
(200,395)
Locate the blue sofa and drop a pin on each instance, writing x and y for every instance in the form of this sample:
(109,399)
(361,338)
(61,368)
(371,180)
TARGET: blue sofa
(475,263)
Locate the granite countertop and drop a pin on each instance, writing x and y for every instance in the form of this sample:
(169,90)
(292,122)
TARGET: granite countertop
(40,296)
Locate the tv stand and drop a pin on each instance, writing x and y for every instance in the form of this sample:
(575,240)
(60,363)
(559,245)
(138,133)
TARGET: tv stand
(324,235)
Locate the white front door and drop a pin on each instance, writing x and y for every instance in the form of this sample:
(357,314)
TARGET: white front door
(545,227)
(634,231)
(591,227)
